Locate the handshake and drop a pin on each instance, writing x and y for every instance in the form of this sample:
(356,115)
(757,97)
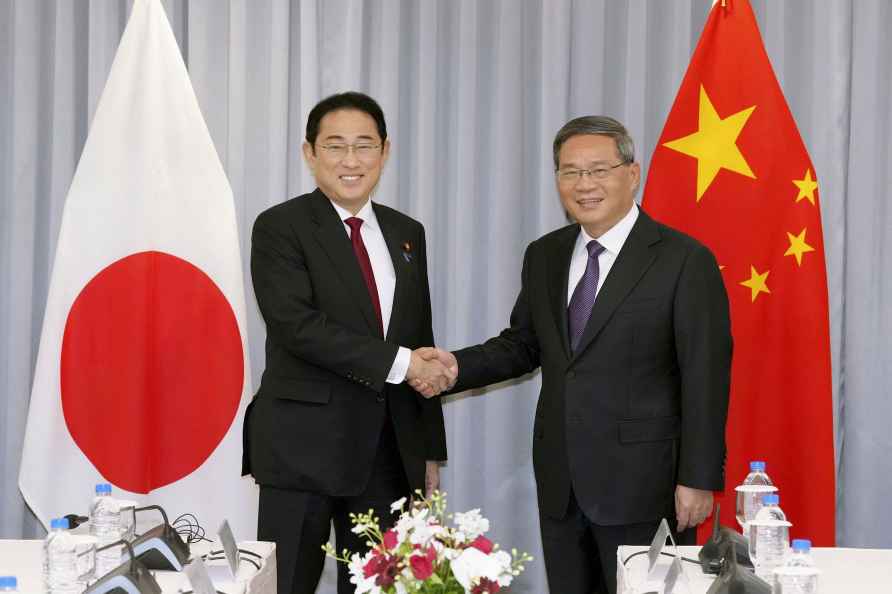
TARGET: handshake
(432,371)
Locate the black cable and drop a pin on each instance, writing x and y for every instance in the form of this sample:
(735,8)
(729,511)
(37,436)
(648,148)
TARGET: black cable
(626,560)
(245,559)
(187,525)
(245,551)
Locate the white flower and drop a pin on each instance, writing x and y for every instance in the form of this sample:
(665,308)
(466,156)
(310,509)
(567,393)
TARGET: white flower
(474,564)
(358,529)
(357,575)
(410,523)
(398,504)
(503,560)
(471,524)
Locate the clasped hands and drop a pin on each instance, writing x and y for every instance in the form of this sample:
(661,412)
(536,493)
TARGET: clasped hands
(432,371)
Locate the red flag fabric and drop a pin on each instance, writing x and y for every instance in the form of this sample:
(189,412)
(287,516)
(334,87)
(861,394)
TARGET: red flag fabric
(731,169)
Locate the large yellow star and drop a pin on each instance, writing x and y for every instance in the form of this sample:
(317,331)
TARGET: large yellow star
(807,187)
(756,282)
(714,145)
(798,246)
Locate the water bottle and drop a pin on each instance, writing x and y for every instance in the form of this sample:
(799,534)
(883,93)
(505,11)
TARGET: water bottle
(799,574)
(750,493)
(60,560)
(105,525)
(9,583)
(769,537)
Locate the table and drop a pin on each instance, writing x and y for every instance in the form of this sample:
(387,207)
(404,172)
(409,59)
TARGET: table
(843,570)
(24,559)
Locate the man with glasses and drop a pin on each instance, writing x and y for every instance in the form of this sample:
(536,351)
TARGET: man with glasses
(342,285)
(629,321)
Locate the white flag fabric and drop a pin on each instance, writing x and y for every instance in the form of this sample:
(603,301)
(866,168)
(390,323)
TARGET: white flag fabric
(142,377)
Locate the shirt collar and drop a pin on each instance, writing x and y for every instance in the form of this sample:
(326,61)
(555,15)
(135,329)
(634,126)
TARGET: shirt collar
(366,213)
(614,238)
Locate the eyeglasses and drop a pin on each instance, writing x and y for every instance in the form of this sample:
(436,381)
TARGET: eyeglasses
(571,176)
(364,151)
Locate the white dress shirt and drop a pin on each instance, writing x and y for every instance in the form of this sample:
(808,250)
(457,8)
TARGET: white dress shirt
(385,278)
(612,241)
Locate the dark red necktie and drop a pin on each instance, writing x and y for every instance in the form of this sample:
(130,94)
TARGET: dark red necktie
(365,264)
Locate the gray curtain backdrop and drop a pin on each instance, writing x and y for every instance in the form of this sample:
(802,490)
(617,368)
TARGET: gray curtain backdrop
(474,92)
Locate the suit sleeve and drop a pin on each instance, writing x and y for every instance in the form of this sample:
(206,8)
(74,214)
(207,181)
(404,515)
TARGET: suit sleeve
(284,291)
(514,352)
(431,409)
(703,346)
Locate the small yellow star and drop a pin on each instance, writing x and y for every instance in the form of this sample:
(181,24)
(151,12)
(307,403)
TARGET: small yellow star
(714,144)
(798,246)
(756,282)
(807,186)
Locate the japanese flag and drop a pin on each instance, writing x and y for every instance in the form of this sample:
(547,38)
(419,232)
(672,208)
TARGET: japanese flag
(142,376)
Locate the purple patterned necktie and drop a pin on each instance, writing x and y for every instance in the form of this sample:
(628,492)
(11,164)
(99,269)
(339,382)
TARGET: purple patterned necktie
(583,298)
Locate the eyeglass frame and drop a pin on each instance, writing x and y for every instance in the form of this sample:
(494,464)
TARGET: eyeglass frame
(330,150)
(575,175)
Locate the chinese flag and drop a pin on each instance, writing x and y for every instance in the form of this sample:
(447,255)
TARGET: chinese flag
(731,170)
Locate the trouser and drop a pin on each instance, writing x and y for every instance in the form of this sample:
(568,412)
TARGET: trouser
(580,556)
(299,522)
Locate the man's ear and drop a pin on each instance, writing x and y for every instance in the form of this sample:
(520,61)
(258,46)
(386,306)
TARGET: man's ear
(309,155)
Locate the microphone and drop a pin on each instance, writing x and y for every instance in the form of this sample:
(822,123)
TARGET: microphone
(131,577)
(732,579)
(161,547)
(711,555)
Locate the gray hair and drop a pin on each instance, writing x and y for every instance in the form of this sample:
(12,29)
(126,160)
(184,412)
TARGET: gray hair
(602,125)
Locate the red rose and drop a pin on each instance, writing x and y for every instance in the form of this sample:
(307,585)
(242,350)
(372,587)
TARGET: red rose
(422,568)
(390,540)
(483,544)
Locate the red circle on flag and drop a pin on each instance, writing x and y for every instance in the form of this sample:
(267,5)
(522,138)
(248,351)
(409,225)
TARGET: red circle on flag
(152,370)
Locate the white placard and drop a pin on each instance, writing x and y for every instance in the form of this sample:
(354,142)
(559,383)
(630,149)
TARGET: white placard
(230,548)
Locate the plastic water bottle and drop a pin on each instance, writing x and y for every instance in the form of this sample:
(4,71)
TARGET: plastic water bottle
(105,525)
(769,537)
(9,583)
(799,574)
(60,560)
(750,493)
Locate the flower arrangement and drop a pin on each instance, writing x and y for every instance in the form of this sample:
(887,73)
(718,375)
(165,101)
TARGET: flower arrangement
(422,554)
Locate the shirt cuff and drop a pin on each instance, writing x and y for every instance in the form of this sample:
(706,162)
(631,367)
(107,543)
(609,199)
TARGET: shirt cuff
(400,366)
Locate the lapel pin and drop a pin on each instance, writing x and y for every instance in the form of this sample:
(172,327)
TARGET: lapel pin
(407,251)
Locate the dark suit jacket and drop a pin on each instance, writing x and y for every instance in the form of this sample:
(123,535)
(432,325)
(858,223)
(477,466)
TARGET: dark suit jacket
(315,421)
(641,405)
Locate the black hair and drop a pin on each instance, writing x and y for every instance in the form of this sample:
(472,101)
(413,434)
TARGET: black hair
(349,100)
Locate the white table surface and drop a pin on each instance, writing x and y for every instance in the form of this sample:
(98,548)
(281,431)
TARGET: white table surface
(24,559)
(843,571)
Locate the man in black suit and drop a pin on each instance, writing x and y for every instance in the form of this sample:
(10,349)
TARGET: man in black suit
(342,286)
(629,322)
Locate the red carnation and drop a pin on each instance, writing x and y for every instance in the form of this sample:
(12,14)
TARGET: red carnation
(483,544)
(486,586)
(374,566)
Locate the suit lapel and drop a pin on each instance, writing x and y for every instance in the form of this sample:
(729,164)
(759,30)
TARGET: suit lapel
(634,259)
(558,274)
(394,239)
(334,240)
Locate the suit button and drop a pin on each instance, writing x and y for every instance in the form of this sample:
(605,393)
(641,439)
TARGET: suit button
(571,374)
(380,398)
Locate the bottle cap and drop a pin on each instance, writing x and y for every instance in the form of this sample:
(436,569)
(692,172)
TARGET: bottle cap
(801,544)
(757,466)
(59,524)
(771,499)
(8,582)
(103,489)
